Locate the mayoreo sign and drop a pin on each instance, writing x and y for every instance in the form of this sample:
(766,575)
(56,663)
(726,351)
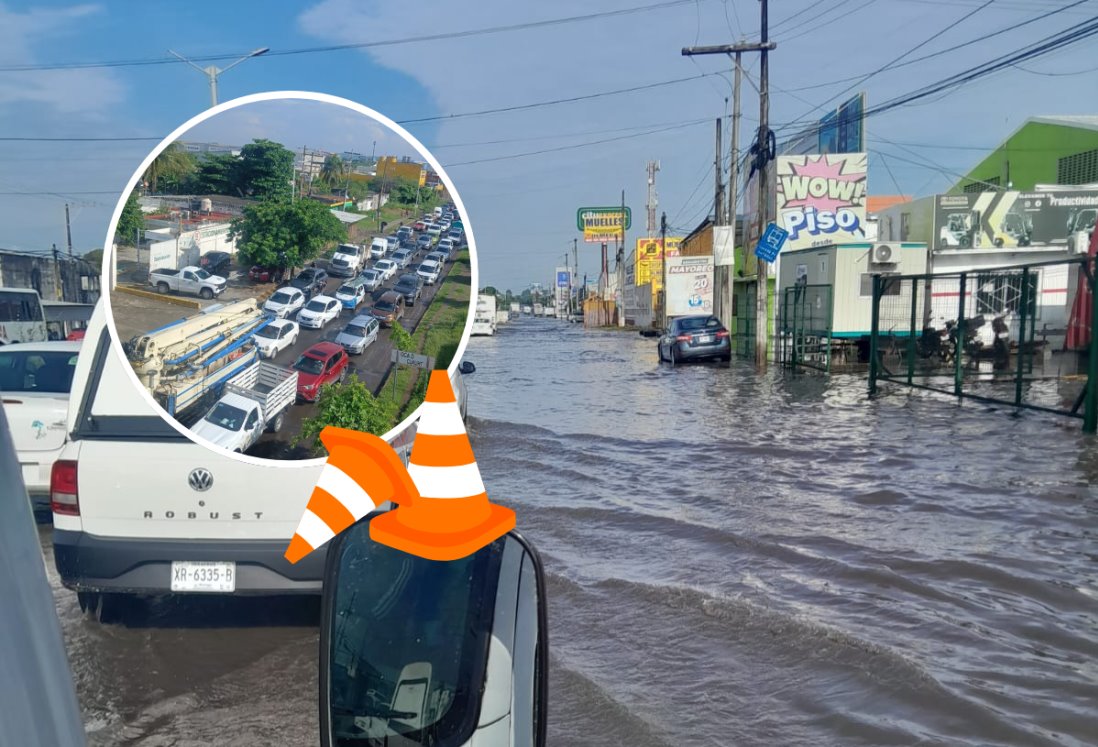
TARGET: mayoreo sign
(602,224)
(689,285)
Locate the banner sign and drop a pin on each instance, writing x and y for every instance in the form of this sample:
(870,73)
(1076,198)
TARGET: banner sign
(820,199)
(602,224)
(649,259)
(689,285)
(987,220)
(563,279)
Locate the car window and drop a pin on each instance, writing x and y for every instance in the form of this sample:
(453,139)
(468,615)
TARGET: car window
(269,332)
(308,365)
(226,416)
(48,372)
(281,297)
(315,306)
(253,418)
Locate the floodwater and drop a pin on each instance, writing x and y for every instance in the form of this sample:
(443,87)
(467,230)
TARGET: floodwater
(732,560)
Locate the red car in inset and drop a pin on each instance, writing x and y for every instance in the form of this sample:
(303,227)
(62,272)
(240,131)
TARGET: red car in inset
(323,363)
(419,226)
(259,274)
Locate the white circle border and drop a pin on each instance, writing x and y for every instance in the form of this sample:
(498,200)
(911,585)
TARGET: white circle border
(109,250)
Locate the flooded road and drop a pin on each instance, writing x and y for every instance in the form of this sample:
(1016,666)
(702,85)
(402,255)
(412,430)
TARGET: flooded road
(732,559)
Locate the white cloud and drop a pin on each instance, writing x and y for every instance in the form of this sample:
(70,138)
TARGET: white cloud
(91,93)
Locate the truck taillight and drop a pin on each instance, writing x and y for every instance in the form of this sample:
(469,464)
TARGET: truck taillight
(64,499)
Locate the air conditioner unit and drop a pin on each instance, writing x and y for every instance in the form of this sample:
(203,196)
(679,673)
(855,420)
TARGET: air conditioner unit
(883,254)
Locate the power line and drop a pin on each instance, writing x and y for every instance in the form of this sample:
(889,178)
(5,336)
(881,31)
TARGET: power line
(955,47)
(35,139)
(358,45)
(509,156)
(892,62)
(554,102)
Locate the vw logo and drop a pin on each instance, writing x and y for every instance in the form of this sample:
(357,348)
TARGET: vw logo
(200,479)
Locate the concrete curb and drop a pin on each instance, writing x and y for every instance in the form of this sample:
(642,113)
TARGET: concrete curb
(195,304)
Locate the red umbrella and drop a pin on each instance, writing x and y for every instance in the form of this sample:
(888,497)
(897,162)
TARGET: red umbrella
(1078,331)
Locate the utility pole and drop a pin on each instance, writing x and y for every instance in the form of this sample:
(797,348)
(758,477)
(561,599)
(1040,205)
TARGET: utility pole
(718,195)
(663,264)
(763,47)
(734,161)
(762,283)
(653,201)
(575,271)
(621,266)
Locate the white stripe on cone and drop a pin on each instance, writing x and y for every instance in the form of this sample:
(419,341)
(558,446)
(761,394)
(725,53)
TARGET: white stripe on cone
(344,489)
(440,419)
(447,482)
(313,529)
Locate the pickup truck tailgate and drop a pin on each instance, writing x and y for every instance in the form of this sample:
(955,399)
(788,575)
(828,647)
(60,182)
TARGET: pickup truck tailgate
(180,490)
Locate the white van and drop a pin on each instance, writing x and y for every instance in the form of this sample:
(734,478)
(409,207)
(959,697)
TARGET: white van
(140,509)
(379,247)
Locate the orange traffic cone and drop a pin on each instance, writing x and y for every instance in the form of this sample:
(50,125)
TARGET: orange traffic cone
(362,473)
(450,516)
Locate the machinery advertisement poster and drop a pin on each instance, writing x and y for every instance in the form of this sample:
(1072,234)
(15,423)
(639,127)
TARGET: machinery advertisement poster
(1016,219)
(649,258)
(820,199)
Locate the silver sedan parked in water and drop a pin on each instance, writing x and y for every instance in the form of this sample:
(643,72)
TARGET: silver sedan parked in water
(689,338)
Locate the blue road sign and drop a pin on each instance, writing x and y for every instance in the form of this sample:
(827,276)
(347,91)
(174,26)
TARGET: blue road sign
(771,243)
(562,279)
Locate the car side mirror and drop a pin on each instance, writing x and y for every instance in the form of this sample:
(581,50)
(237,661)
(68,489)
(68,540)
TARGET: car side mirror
(425,652)
(467,367)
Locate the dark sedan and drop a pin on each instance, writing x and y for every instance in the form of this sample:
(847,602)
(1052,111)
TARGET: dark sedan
(690,338)
(410,286)
(310,281)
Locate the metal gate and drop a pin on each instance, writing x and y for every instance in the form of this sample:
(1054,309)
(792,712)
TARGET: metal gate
(804,327)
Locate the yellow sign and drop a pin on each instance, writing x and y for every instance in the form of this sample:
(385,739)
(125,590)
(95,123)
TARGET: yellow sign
(650,260)
(602,225)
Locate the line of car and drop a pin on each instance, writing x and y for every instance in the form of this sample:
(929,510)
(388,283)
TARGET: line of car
(305,303)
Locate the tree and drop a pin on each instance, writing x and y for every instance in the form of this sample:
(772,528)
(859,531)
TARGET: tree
(333,169)
(285,234)
(265,170)
(171,167)
(400,338)
(349,405)
(215,175)
(130,223)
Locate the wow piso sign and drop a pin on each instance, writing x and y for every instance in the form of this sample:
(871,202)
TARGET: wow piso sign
(820,199)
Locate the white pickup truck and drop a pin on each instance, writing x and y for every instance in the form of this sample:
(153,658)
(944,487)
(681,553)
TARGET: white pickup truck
(191,280)
(347,260)
(254,401)
(140,509)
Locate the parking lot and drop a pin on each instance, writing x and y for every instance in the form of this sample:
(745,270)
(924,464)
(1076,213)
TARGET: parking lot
(136,314)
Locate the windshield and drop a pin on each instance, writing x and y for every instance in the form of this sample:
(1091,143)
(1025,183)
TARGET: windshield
(308,365)
(270,332)
(370,274)
(282,297)
(427,267)
(29,371)
(698,322)
(226,416)
(347,290)
(315,306)
(201,274)
(384,306)
(408,652)
(354,330)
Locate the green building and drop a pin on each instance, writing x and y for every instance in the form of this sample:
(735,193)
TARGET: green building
(1044,150)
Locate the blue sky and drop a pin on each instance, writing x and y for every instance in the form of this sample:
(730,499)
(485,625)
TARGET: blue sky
(522,207)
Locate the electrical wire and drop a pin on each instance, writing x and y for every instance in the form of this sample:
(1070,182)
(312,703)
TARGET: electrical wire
(357,45)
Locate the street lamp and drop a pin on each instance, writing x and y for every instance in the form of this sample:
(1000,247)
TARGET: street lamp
(213,71)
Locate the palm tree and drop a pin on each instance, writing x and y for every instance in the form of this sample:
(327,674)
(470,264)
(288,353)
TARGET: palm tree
(333,170)
(173,164)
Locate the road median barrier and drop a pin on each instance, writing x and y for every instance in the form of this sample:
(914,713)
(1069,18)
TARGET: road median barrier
(133,291)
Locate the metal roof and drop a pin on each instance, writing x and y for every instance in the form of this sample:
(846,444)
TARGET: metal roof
(1083,121)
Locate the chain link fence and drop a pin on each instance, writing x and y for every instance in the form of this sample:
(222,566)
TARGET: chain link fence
(996,335)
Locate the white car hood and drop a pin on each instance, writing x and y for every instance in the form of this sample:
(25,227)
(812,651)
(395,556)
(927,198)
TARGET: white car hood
(217,435)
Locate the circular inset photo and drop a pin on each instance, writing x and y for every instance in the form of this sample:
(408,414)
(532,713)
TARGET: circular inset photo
(285,262)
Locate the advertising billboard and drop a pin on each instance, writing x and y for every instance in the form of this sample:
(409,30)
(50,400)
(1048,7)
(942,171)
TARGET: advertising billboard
(649,260)
(820,199)
(1015,219)
(602,224)
(689,285)
(839,131)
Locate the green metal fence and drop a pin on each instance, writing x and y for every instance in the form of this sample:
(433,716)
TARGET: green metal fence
(996,336)
(743,339)
(804,327)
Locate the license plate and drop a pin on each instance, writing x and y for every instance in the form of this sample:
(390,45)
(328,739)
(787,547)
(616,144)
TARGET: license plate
(203,575)
(703,339)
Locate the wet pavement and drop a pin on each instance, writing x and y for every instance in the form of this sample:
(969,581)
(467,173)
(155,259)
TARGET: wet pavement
(731,559)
